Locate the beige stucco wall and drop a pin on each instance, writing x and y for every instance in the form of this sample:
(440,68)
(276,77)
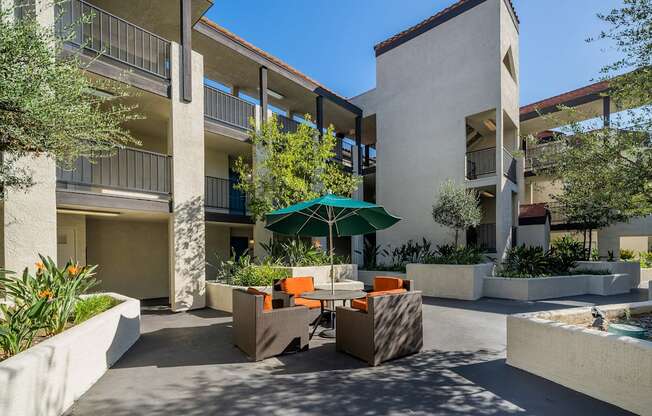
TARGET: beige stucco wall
(218,246)
(217,164)
(538,189)
(132,256)
(30,218)
(609,239)
(426,88)
(186,225)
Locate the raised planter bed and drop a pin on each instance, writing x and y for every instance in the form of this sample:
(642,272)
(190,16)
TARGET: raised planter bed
(321,274)
(449,281)
(367,276)
(632,268)
(47,378)
(539,288)
(605,366)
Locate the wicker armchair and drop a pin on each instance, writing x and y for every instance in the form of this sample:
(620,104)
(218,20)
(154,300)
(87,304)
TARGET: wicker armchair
(392,327)
(262,334)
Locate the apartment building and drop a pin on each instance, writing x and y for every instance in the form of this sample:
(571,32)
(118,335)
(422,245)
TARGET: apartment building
(152,216)
(446,106)
(591,102)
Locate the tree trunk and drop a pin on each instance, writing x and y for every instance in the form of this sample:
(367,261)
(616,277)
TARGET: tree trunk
(586,256)
(590,242)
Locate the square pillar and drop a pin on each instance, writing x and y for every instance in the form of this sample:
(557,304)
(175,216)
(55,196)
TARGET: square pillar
(187,221)
(30,217)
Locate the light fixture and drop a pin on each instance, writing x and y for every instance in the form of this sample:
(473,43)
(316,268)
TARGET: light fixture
(85,212)
(490,124)
(128,194)
(252,242)
(487,194)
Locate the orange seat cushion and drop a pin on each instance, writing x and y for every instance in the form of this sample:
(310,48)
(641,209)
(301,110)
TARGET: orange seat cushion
(267,298)
(382,283)
(362,304)
(312,304)
(297,285)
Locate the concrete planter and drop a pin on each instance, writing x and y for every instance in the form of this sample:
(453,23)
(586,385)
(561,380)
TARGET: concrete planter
(46,379)
(219,296)
(322,274)
(449,281)
(631,268)
(605,366)
(556,286)
(646,278)
(367,276)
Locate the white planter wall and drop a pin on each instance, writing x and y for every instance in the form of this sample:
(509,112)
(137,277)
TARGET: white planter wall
(322,274)
(605,366)
(219,296)
(47,378)
(367,276)
(646,277)
(616,267)
(556,286)
(449,281)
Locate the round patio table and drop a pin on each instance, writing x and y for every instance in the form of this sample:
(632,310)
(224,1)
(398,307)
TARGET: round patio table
(328,296)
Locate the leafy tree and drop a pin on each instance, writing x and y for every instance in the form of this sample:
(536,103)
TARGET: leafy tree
(457,208)
(290,167)
(48,106)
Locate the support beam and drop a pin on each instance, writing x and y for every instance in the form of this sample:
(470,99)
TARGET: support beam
(320,115)
(262,85)
(606,111)
(358,141)
(186,51)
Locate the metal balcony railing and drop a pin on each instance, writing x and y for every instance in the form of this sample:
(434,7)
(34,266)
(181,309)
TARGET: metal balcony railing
(227,108)
(509,166)
(483,236)
(220,193)
(129,170)
(534,155)
(113,37)
(480,163)
(287,124)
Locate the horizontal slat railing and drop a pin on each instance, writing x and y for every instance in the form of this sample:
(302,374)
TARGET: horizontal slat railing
(227,108)
(111,36)
(129,169)
(509,166)
(220,193)
(480,163)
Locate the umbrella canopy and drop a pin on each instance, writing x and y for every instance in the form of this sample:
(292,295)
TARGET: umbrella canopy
(327,214)
(314,218)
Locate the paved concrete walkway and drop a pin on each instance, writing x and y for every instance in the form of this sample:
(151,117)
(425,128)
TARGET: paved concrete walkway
(185,364)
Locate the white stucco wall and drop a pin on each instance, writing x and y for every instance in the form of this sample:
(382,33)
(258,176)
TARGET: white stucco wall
(76,223)
(186,225)
(425,89)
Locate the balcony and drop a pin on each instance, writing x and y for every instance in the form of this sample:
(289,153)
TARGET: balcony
(534,155)
(221,195)
(129,170)
(482,164)
(227,109)
(111,37)
(288,125)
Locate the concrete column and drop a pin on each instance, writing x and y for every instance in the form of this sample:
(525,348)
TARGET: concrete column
(30,218)
(357,241)
(503,193)
(187,221)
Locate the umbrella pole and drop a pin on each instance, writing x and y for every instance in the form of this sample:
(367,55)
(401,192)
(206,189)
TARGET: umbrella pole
(330,237)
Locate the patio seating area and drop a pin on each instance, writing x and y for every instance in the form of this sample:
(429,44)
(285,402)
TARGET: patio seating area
(187,364)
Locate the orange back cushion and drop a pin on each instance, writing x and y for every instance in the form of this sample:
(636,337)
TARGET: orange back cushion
(363,305)
(387,283)
(297,285)
(267,298)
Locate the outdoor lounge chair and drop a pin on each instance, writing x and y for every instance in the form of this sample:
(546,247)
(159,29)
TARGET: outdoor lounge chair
(391,327)
(289,291)
(261,333)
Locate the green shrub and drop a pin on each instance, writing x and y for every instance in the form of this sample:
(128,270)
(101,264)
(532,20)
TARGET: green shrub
(19,325)
(626,254)
(411,252)
(450,254)
(243,271)
(526,262)
(87,308)
(567,252)
(61,286)
(646,260)
(298,253)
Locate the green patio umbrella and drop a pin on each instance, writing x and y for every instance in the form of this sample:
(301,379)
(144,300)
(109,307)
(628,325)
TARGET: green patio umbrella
(330,214)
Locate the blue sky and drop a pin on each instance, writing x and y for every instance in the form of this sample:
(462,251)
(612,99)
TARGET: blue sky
(332,41)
